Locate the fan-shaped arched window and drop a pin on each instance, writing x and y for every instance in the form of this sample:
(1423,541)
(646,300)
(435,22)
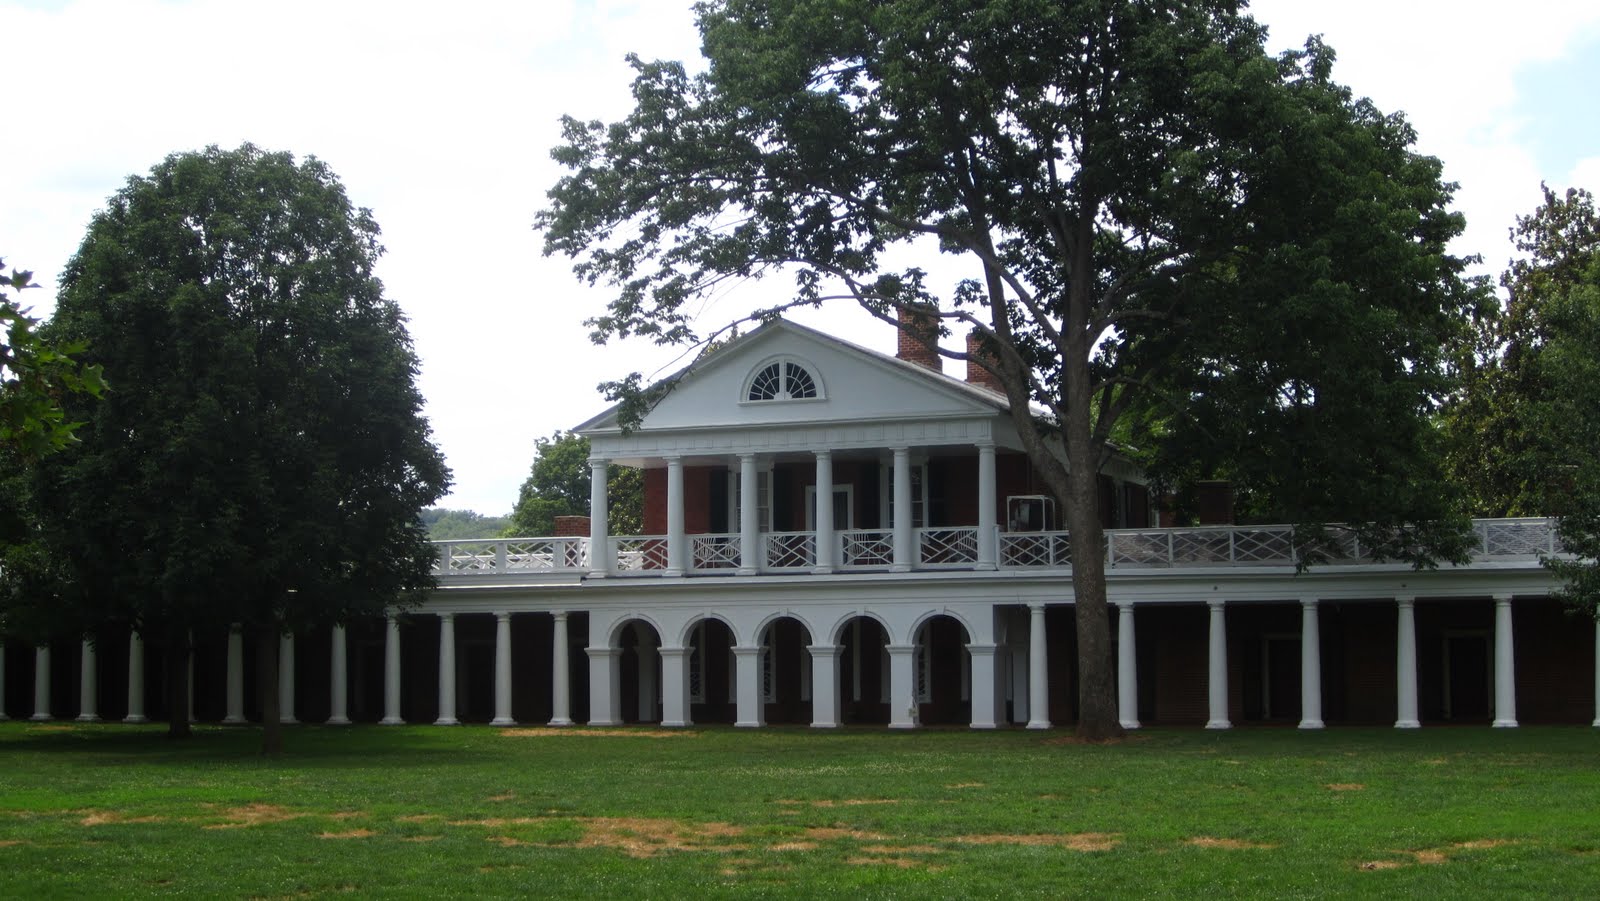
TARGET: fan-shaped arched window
(783,379)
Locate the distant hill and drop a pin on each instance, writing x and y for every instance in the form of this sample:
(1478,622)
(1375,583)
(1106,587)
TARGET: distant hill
(452,525)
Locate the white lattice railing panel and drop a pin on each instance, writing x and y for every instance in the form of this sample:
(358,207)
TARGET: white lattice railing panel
(948,547)
(1035,549)
(1263,545)
(1516,537)
(867,547)
(713,552)
(1139,548)
(638,553)
(791,550)
(463,557)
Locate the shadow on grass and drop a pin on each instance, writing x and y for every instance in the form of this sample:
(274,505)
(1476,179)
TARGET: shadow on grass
(304,746)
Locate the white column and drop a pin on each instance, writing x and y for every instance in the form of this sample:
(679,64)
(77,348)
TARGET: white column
(338,679)
(502,671)
(1217,682)
(647,681)
(286,679)
(560,693)
(391,673)
(983,685)
(1127,669)
(905,549)
(675,687)
(902,686)
(1596,673)
(823,512)
(1505,666)
(747,681)
(987,517)
(824,685)
(749,528)
(1406,667)
(605,692)
(1310,666)
(235,683)
(135,678)
(87,677)
(41,683)
(599,543)
(1038,670)
(447,671)
(677,540)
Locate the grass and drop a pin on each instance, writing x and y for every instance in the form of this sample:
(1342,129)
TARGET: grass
(428,811)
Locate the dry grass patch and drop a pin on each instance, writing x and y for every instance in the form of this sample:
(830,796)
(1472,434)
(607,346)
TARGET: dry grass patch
(421,838)
(844,802)
(107,817)
(1227,844)
(418,818)
(834,833)
(614,732)
(499,822)
(1345,787)
(647,837)
(353,833)
(508,796)
(255,815)
(904,863)
(11,842)
(1435,856)
(1081,841)
(966,785)
(793,846)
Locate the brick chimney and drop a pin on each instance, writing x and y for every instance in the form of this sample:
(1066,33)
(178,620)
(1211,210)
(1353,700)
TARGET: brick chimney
(976,356)
(919,338)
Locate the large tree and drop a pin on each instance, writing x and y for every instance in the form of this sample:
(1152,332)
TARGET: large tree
(264,458)
(1172,236)
(1525,432)
(558,485)
(34,375)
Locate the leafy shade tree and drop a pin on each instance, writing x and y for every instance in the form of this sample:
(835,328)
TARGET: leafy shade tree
(34,374)
(449,525)
(264,459)
(1165,228)
(558,485)
(1526,430)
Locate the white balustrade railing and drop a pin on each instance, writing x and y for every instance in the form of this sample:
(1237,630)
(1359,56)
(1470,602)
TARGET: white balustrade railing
(715,552)
(941,547)
(866,548)
(791,550)
(1510,540)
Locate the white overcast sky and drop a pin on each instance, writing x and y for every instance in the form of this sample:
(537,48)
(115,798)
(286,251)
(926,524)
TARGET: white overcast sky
(440,117)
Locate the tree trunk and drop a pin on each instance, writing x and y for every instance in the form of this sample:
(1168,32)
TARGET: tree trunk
(1097,690)
(267,687)
(177,663)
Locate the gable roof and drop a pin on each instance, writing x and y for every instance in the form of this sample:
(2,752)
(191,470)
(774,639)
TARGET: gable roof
(706,392)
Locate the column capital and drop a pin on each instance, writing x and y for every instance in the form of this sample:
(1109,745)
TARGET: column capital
(824,650)
(673,459)
(900,648)
(1124,605)
(560,615)
(1215,603)
(503,615)
(825,452)
(1308,602)
(598,462)
(985,649)
(1406,602)
(601,653)
(446,616)
(1502,600)
(984,444)
(672,651)
(1037,608)
(745,650)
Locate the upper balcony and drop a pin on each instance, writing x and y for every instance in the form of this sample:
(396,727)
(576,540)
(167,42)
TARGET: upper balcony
(955,548)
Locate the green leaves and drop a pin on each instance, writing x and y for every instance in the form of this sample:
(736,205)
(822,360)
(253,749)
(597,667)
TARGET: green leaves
(35,372)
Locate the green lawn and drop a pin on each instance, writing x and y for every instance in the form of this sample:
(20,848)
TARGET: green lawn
(424,811)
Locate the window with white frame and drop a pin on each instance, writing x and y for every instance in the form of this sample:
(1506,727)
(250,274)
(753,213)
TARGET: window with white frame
(782,379)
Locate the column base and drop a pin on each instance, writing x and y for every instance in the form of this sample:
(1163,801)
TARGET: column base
(87,718)
(1219,724)
(391,721)
(746,571)
(747,725)
(604,723)
(338,721)
(1038,724)
(41,717)
(1311,724)
(672,573)
(984,567)
(1504,724)
(1407,724)
(447,721)
(288,721)
(900,568)
(233,721)
(135,720)
(1129,724)
(836,725)
(982,726)
(561,721)
(822,570)
(684,724)
(902,725)
(4,719)
(502,721)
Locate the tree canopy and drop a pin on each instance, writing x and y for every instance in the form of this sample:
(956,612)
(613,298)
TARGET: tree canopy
(1173,238)
(444,524)
(558,485)
(264,458)
(34,374)
(1525,432)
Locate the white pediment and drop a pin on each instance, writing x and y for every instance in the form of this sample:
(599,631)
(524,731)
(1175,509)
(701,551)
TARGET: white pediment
(855,388)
